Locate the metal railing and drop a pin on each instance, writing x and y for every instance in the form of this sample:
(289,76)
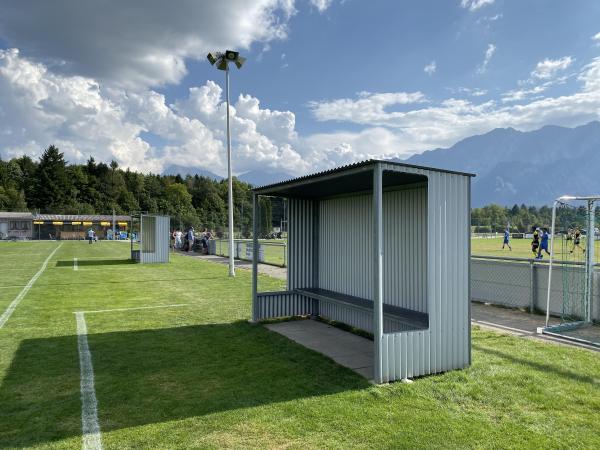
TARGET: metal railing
(269,252)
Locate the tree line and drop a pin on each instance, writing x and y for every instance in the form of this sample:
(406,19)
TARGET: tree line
(50,185)
(53,186)
(495,218)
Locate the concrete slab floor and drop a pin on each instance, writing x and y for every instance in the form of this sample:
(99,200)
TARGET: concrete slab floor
(347,349)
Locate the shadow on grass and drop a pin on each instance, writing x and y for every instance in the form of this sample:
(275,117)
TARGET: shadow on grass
(95,262)
(154,376)
(542,367)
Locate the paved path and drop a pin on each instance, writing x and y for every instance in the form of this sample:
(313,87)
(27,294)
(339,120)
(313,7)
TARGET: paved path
(267,269)
(346,349)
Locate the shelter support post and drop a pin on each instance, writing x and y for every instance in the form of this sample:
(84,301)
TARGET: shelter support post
(378,272)
(255,215)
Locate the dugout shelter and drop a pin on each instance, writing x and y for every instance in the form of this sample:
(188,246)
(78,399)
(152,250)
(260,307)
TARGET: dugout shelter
(383,247)
(150,238)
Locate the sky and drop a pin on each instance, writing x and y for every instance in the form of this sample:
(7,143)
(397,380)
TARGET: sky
(326,82)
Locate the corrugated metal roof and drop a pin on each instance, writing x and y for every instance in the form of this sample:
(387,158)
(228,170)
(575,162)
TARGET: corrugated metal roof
(353,166)
(16,215)
(82,217)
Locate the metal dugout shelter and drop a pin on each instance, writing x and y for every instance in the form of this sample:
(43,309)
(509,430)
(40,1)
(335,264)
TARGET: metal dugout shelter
(153,236)
(383,247)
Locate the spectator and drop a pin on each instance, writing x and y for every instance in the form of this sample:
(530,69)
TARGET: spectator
(190,238)
(90,235)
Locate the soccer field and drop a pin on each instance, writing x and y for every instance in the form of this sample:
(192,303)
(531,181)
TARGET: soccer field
(521,248)
(175,364)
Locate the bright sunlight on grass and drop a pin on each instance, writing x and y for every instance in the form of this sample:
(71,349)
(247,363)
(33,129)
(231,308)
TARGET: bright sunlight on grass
(197,375)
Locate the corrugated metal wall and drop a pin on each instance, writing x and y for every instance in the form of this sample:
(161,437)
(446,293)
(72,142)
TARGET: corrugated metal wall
(282,304)
(300,243)
(446,344)
(346,246)
(155,233)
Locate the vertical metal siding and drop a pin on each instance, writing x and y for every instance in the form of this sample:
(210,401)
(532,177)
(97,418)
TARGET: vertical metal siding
(345,264)
(272,305)
(300,240)
(155,233)
(446,344)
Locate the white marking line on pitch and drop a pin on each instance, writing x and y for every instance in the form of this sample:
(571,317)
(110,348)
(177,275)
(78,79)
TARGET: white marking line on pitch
(75,266)
(13,305)
(89,405)
(92,438)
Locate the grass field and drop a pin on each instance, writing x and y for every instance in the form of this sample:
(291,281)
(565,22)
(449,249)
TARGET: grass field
(200,376)
(521,248)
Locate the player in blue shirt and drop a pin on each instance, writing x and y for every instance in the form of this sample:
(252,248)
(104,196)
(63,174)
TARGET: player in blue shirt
(506,240)
(544,243)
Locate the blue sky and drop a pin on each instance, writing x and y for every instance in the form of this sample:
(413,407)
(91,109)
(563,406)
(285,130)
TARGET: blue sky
(326,81)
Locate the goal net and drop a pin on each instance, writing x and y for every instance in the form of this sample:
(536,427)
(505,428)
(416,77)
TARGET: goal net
(572,300)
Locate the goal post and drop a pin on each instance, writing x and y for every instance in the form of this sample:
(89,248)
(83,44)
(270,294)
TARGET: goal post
(576,262)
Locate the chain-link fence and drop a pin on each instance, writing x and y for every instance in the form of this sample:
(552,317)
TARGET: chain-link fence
(272,252)
(523,283)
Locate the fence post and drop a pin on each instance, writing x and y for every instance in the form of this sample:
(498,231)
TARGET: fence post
(532,286)
(285,254)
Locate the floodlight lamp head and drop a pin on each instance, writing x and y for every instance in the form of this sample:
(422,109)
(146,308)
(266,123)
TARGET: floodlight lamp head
(239,62)
(212,58)
(232,56)
(222,64)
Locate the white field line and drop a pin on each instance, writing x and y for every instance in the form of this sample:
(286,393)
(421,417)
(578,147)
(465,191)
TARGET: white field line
(92,438)
(132,309)
(89,405)
(75,266)
(6,314)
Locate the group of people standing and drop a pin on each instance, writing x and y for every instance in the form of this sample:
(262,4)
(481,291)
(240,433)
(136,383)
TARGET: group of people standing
(539,241)
(185,241)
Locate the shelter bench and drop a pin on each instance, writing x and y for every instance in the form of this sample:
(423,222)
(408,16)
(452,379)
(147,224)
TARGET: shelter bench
(397,318)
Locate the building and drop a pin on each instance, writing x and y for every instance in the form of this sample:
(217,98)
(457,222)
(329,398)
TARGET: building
(61,226)
(16,225)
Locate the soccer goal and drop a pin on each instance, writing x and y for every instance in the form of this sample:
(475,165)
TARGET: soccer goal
(573,263)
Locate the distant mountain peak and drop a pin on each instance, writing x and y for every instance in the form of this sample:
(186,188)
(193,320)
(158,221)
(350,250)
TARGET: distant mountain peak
(531,167)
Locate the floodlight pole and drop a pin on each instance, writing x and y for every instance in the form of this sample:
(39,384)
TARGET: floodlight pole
(229,179)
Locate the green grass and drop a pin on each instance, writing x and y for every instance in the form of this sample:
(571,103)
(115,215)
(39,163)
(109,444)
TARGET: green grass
(521,248)
(274,254)
(200,376)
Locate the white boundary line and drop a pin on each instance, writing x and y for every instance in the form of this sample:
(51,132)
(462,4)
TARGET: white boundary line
(89,405)
(6,314)
(75,266)
(90,426)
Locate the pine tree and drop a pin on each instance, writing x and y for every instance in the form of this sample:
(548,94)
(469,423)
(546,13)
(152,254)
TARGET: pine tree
(53,186)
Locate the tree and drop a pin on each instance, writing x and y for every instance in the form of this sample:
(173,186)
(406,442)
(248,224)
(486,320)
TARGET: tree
(52,187)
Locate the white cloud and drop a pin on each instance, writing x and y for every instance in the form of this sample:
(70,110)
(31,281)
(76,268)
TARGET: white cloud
(445,123)
(430,68)
(596,37)
(368,108)
(321,5)
(138,44)
(40,107)
(473,5)
(548,68)
(489,53)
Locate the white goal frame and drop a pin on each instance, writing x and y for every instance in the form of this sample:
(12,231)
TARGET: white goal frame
(589,262)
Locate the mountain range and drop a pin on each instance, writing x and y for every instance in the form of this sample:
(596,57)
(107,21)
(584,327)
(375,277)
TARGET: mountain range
(512,167)
(515,167)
